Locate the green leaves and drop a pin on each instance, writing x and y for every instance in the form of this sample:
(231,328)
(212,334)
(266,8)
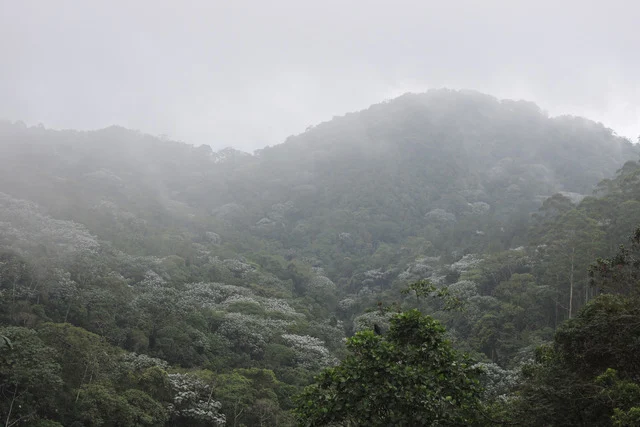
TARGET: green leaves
(590,374)
(409,376)
(99,404)
(424,288)
(29,376)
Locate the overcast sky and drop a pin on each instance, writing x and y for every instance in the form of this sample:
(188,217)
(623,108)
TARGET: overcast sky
(249,73)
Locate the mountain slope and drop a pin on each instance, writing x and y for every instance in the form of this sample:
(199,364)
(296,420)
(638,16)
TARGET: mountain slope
(167,270)
(428,160)
(391,171)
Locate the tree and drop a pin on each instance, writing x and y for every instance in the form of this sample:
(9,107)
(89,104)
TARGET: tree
(101,405)
(85,357)
(193,402)
(410,376)
(29,377)
(236,395)
(570,243)
(590,373)
(253,397)
(619,274)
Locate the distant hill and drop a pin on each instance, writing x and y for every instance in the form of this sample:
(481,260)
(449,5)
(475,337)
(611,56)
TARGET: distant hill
(450,160)
(458,168)
(135,271)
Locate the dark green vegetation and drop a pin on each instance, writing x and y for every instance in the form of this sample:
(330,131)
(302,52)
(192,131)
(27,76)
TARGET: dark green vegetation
(148,282)
(590,374)
(410,376)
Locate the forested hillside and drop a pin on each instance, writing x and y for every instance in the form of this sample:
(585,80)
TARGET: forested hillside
(149,282)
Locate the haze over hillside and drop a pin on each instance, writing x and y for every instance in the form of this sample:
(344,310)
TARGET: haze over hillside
(440,151)
(197,287)
(248,74)
(427,213)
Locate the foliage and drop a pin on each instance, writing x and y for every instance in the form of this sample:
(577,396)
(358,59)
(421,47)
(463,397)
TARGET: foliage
(591,374)
(621,273)
(30,377)
(409,376)
(139,269)
(192,402)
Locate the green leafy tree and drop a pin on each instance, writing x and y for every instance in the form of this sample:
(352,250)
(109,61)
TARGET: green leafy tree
(589,375)
(101,405)
(235,392)
(570,243)
(85,357)
(29,377)
(252,397)
(621,273)
(410,376)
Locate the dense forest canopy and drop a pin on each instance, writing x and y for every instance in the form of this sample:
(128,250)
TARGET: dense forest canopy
(145,281)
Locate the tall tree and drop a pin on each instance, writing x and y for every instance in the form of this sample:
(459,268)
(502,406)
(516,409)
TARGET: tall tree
(30,380)
(568,245)
(410,376)
(590,375)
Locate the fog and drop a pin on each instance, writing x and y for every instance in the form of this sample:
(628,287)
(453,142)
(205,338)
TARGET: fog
(248,74)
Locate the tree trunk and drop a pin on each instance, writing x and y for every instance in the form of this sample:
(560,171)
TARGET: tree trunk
(66,314)
(236,413)
(555,324)
(13,399)
(573,253)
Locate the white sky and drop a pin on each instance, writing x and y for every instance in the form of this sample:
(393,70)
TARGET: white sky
(249,73)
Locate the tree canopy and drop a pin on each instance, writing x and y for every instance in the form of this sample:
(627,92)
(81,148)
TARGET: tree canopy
(145,281)
(408,376)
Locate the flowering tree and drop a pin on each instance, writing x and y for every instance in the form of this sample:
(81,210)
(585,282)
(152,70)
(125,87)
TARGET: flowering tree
(193,402)
(310,351)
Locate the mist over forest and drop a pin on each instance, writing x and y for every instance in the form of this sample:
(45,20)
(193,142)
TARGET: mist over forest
(413,254)
(151,282)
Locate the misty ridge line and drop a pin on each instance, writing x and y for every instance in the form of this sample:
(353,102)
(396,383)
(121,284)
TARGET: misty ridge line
(249,75)
(180,277)
(291,213)
(220,154)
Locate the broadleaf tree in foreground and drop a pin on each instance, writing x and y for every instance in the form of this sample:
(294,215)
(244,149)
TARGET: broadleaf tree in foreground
(409,376)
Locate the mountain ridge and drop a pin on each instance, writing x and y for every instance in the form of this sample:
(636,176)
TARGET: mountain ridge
(226,274)
(417,149)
